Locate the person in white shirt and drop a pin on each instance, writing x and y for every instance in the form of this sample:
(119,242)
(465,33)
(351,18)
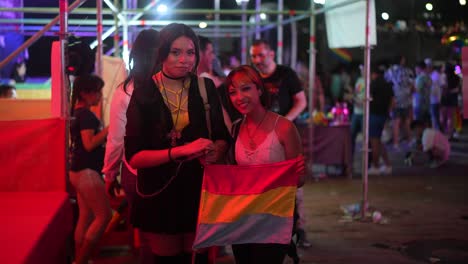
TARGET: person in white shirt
(435,93)
(433,142)
(207,58)
(142,56)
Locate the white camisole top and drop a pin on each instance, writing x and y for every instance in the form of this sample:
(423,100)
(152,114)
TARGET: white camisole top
(269,151)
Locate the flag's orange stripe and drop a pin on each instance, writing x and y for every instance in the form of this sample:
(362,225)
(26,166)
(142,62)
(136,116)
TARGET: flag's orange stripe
(229,208)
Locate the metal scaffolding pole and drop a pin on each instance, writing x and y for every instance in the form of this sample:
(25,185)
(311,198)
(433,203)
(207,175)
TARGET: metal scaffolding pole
(133,19)
(244,34)
(99,38)
(216,29)
(293,61)
(258,6)
(63,36)
(312,58)
(365,143)
(36,36)
(279,48)
(145,10)
(116,35)
(125,49)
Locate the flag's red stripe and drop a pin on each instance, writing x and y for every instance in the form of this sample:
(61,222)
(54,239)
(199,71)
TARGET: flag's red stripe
(249,179)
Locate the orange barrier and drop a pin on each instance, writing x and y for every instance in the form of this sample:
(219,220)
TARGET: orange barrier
(24,109)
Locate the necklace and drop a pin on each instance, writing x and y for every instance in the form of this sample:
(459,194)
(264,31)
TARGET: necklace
(172,78)
(252,143)
(174,134)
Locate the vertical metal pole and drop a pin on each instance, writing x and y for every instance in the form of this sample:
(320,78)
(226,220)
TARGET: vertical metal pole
(312,57)
(116,33)
(311,80)
(65,88)
(244,34)
(279,48)
(217,7)
(293,61)
(99,38)
(63,18)
(365,144)
(125,50)
(258,4)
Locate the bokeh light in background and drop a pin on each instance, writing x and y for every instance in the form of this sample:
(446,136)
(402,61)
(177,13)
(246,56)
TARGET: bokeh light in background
(385,16)
(202,25)
(429,7)
(162,8)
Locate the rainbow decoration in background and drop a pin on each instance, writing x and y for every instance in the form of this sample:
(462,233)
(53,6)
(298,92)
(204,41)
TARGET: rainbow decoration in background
(236,207)
(342,54)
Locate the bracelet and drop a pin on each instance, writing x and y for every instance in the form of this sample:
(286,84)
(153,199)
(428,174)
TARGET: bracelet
(169,154)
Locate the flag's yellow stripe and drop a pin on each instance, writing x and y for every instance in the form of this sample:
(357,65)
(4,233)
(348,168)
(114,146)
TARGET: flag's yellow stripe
(229,208)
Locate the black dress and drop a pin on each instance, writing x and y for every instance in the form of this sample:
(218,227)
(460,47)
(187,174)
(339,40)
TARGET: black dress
(149,121)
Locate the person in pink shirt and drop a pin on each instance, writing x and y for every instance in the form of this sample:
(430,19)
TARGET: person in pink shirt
(433,142)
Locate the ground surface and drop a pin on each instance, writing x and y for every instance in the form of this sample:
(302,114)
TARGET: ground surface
(425,210)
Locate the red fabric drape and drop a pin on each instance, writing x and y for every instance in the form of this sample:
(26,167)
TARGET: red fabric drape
(32,155)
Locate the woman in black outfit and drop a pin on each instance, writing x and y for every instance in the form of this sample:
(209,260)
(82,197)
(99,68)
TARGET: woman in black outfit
(167,141)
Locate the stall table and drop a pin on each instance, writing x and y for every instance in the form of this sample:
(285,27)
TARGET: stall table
(331,145)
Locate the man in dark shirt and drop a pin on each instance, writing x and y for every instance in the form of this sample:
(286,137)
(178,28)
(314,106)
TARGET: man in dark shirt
(382,102)
(287,97)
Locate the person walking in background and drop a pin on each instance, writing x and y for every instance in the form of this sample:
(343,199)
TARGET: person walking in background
(319,95)
(142,56)
(287,98)
(401,78)
(380,106)
(422,90)
(435,94)
(167,141)
(264,137)
(449,101)
(207,58)
(358,109)
(87,156)
(229,62)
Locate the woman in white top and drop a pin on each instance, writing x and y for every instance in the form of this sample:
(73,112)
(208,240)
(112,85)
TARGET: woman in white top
(264,137)
(142,57)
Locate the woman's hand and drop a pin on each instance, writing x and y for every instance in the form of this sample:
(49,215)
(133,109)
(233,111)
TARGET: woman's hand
(198,148)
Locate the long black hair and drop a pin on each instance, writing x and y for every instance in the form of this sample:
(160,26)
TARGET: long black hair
(168,35)
(143,57)
(88,83)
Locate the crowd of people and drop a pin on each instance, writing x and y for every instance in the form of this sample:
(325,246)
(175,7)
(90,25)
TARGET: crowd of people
(405,99)
(178,110)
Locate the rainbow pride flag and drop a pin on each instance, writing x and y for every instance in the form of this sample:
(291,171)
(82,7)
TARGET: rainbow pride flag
(342,54)
(247,204)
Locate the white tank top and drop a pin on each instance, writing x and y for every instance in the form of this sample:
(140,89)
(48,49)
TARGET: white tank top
(269,151)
